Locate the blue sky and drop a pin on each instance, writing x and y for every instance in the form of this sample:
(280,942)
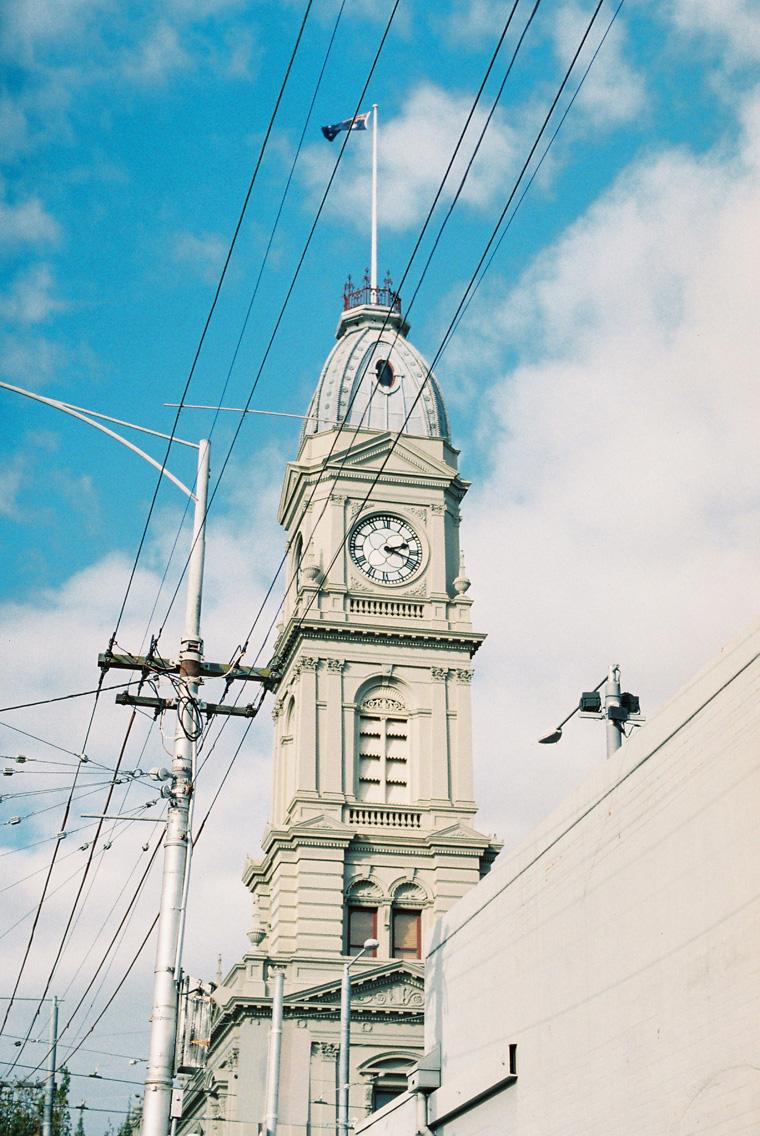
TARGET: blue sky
(602,385)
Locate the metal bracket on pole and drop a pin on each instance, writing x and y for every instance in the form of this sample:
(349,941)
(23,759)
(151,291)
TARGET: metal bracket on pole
(269,676)
(207,708)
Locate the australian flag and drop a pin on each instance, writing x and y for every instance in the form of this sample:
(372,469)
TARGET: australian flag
(358,123)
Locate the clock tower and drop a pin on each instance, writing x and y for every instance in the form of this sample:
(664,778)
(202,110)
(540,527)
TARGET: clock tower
(370,832)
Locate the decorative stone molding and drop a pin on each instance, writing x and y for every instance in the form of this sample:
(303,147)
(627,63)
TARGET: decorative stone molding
(420,590)
(439,510)
(305,663)
(334,666)
(325,1049)
(400,995)
(464,676)
(416,512)
(439,674)
(461,583)
(338,498)
(409,894)
(383,702)
(356,507)
(364,889)
(277,709)
(357,585)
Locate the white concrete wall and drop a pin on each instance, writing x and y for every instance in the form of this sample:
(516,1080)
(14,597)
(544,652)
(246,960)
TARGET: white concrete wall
(619,947)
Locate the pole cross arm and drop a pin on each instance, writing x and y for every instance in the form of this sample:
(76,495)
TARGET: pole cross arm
(207,708)
(269,676)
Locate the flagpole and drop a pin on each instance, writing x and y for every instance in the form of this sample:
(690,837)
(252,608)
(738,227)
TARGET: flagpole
(373,272)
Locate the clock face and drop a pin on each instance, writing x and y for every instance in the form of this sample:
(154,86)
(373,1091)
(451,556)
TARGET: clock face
(385,548)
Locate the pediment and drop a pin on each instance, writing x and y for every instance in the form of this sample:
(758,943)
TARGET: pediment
(405,457)
(457,831)
(321,823)
(394,986)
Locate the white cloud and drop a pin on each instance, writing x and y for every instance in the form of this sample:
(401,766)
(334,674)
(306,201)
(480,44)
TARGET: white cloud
(734,23)
(475,20)
(205,253)
(11,480)
(413,152)
(63,630)
(29,23)
(613,92)
(157,56)
(30,359)
(31,298)
(619,522)
(27,222)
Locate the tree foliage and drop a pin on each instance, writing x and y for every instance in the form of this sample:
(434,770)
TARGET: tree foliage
(21,1106)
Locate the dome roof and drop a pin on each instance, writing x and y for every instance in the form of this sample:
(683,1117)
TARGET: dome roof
(373,376)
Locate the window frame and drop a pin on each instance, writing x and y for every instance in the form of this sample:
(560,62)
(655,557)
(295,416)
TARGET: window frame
(352,951)
(416,911)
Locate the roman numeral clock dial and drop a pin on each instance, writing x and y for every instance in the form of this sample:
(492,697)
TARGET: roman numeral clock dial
(385,549)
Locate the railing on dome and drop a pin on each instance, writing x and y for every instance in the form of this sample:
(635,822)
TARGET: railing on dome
(385,297)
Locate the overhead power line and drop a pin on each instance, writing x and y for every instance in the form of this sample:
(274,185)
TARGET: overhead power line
(464,296)
(299,265)
(212,309)
(252,301)
(65,697)
(344,421)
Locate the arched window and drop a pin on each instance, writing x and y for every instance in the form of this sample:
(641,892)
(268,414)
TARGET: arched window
(406,921)
(388,1076)
(382,772)
(362,901)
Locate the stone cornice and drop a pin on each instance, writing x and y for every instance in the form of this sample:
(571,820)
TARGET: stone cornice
(331,632)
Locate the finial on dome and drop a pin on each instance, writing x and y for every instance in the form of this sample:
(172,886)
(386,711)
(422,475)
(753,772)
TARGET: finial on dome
(461,584)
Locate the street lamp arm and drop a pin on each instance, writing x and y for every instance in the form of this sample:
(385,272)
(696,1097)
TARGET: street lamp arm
(83,417)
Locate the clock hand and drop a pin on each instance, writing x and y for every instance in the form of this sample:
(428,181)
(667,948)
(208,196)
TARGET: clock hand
(395,547)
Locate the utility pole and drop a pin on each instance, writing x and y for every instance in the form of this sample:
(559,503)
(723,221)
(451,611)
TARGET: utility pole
(344,1063)
(275,1048)
(190,670)
(47,1108)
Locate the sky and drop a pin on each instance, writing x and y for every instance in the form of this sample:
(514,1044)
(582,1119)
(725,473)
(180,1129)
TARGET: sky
(601,384)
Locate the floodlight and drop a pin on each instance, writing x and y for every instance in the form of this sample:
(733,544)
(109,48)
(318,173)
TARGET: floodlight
(550,739)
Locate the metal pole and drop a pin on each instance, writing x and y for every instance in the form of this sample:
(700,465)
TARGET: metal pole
(273,1066)
(343,1052)
(373,262)
(612,698)
(47,1108)
(158,1081)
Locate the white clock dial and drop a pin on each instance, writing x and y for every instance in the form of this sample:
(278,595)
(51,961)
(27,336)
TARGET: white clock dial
(385,548)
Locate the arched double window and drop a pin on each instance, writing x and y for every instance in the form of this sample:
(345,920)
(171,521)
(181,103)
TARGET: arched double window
(382,766)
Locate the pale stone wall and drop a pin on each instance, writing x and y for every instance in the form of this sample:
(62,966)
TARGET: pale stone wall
(619,947)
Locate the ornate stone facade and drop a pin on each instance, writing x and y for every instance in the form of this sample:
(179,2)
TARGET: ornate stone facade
(372,801)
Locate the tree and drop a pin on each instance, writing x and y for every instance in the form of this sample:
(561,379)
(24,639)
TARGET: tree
(21,1106)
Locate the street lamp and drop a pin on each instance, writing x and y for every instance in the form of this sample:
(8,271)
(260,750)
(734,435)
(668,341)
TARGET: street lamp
(618,709)
(345,1036)
(158,1081)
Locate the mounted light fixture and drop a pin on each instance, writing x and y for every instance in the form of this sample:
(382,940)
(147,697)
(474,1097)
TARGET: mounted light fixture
(617,710)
